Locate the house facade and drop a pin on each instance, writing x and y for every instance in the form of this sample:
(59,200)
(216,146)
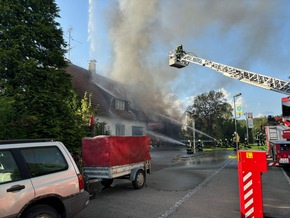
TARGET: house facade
(115,113)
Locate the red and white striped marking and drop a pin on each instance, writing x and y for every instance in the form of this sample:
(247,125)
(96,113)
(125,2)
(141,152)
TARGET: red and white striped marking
(248,194)
(273,164)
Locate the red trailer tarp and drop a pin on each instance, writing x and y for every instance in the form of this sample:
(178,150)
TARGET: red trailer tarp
(107,151)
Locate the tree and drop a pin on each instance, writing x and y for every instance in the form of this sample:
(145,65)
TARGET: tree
(259,127)
(212,113)
(7,116)
(91,126)
(32,73)
(86,110)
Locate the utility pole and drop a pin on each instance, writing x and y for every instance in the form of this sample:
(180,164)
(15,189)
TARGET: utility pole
(69,42)
(236,131)
(247,128)
(193,134)
(193,117)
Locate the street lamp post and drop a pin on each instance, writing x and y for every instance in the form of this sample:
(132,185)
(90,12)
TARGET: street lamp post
(193,133)
(193,117)
(236,132)
(247,128)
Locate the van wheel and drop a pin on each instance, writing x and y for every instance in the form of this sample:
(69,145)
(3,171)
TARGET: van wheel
(139,181)
(41,211)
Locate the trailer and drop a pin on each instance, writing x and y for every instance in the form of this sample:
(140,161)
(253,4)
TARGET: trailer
(105,158)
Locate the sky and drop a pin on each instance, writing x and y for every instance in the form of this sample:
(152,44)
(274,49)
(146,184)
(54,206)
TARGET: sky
(131,41)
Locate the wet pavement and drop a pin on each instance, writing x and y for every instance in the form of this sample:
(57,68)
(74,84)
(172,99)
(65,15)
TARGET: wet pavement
(201,185)
(217,193)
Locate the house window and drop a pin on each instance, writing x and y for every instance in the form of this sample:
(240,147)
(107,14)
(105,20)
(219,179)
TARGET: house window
(101,129)
(120,129)
(120,105)
(137,130)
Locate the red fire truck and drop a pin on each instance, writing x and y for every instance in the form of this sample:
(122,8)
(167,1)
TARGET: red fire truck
(280,149)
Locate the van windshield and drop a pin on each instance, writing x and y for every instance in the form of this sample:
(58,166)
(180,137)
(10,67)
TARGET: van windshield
(285,147)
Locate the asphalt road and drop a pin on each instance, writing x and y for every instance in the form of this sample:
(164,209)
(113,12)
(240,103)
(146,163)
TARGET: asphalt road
(287,170)
(175,177)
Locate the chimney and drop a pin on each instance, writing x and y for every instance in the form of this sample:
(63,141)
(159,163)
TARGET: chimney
(92,67)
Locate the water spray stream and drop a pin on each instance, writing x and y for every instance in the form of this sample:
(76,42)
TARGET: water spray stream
(164,138)
(170,119)
(200,132)
(91,28)
(181,124)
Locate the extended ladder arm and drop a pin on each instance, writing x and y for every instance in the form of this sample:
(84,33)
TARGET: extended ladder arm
(180,58)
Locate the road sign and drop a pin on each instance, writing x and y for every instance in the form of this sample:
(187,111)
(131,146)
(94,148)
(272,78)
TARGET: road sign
(250,120)
(239,109)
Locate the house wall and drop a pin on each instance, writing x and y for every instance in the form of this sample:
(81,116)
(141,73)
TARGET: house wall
(112,122)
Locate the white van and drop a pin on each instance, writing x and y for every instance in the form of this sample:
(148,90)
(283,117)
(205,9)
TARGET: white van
(39,178)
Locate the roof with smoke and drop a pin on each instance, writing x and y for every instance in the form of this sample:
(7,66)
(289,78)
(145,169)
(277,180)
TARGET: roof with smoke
(104,93)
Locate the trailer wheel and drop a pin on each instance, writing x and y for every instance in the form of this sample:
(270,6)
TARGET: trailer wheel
(107,182)
(139,181)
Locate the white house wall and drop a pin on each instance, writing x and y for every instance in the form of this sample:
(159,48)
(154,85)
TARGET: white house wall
(112,122)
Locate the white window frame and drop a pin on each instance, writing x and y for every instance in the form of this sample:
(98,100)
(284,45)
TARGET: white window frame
(120,105)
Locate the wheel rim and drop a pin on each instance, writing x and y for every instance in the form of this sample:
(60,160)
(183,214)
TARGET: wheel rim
(140,179)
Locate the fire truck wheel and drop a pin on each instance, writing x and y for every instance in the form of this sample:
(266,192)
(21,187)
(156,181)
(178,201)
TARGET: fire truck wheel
(107,182)
(139,181)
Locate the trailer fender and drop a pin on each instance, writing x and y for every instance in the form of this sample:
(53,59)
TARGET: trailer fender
(134,172)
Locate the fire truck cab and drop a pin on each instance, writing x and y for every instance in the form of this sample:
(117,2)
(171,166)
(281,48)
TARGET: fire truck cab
(280,151)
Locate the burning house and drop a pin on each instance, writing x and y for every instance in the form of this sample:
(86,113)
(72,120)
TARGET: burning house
(114,109)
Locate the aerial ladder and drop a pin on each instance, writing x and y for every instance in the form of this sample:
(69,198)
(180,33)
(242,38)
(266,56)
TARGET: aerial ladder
(179,59)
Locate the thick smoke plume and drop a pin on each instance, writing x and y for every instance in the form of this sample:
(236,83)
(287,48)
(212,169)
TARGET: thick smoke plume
(132,41)
(143,32)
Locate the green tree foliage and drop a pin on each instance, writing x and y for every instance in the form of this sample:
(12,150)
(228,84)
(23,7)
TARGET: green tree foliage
(212,114)
(242,130)
(259,127)
(33,83)
(86,110)
(7,117)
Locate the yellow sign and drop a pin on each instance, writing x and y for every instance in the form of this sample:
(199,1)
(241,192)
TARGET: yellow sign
(249,154)
(239,110)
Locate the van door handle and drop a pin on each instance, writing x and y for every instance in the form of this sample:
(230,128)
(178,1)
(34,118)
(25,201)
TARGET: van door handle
(16,188)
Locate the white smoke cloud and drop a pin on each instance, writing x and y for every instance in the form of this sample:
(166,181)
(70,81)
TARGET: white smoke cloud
(92,29)
(143,32)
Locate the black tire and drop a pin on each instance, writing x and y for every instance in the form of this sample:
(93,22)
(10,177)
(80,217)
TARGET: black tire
(107,182)
(139,181)
(41,211)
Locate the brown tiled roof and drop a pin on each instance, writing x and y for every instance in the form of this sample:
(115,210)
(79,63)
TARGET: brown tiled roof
(104,92)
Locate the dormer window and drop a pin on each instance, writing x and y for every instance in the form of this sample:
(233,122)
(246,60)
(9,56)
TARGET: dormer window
(120,105)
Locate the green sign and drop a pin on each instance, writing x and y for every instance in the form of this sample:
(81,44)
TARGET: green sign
(239,109)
